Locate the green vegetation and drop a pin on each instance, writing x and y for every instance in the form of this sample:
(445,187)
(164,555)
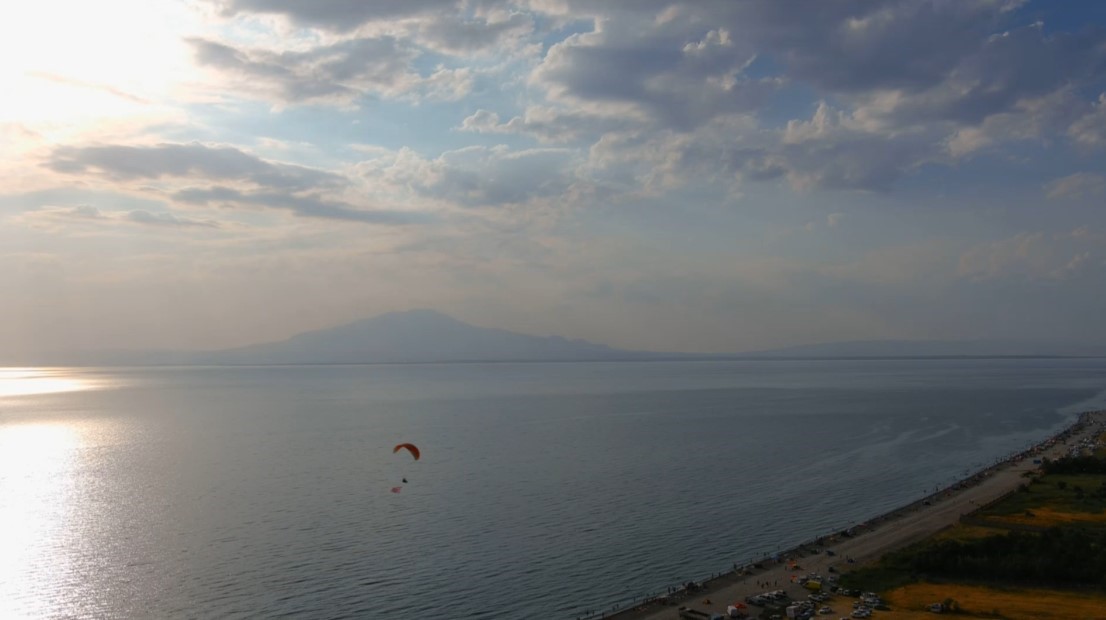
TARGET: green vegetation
(1063,547)
(880,577)
(1058,556)
(1074,465)
(1074,492)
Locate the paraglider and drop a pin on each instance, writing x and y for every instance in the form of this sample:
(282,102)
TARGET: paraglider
(410,447)
(414,450)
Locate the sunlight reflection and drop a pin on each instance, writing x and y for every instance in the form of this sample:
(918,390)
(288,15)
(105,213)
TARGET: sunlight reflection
(36,465)
(28,381)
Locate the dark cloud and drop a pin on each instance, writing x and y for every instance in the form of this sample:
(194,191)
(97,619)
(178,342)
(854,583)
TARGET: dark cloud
(854,46)
(339,15)
(339,72)
(830,151)
(262,183)
(479,177)
(187,160)
(838,46)
(1089,131)
(456,28)
(1004,71)
(167,219)
(137,216)
(476,176)
(300,204)
(856,161)
(937,66)
(548,124)
(447,33)
(679,77)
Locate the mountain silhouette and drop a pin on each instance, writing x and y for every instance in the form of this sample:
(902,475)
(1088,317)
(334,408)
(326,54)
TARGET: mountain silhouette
(415,336)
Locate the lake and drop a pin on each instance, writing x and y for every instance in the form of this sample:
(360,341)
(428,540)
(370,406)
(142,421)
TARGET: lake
(543,490)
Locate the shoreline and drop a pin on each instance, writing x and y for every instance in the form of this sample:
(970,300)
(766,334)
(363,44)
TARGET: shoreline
(865,542)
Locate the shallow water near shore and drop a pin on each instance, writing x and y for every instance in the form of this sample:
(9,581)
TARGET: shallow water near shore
(544,489)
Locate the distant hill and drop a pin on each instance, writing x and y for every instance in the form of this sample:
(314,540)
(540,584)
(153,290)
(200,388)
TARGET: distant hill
(416,336)
(429,336)
(930,348)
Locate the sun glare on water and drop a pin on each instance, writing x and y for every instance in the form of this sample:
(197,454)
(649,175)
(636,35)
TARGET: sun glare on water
(30,381)
(36,464)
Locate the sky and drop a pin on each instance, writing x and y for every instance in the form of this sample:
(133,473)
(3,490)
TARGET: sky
(709,176)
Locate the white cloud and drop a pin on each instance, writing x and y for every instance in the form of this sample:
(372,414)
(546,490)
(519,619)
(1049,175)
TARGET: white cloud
(1032,256)
(475,176)
(1078,185)
(481,121)
(1090,130)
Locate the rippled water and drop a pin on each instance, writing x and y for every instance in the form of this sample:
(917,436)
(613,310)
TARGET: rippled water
(543,490)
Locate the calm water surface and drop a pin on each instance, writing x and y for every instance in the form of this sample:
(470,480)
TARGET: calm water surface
(543,489)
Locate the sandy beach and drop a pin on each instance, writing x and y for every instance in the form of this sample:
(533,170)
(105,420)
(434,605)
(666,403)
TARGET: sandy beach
(871,540)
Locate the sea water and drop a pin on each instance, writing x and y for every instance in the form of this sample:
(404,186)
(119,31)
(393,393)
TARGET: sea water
(543,490)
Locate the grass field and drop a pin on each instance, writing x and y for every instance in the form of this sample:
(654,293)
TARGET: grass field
(1074,494)
(967,532)
(1072,502)
(910,602)
(1050,517)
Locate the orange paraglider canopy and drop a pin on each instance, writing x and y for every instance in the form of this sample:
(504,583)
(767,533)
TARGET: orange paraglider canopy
(410,447)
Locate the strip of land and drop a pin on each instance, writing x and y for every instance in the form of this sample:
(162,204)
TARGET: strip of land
(871,540)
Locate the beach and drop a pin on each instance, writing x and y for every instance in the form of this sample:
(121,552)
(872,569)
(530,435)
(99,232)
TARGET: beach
(868,541)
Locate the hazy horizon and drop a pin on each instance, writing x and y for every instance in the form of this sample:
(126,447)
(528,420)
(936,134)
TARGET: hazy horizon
(426,336)
(712,177)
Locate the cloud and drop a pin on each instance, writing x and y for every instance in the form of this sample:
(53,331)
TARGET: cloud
(1090,130)
(128,163)
(494,31)
(903,83)
(338,15)
(481,121)
(850,47)
(301,190)
(550,125)
(87,213)
(1032,257)
(448,27)
(832,152)
(677,77)
(477,176)
(447,84)
(337,73)
(928,79)
(1078,185)
(167,219)
(302,205)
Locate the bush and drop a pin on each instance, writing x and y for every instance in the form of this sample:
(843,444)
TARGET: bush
(1074,465)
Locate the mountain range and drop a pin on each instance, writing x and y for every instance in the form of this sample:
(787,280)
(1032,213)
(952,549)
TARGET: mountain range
(429,336)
